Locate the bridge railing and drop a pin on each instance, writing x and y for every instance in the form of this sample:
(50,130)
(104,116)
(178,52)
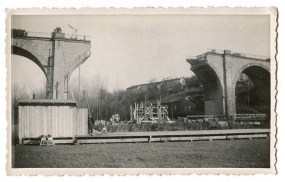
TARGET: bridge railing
(38,34)
(256,56)
(238,54)
(78,37)
(22,33)
(217,51)
(190,57)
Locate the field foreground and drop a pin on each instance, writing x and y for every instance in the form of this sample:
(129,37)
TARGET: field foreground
(253,153)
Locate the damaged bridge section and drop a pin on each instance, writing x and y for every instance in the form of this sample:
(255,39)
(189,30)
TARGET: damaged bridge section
(219,72)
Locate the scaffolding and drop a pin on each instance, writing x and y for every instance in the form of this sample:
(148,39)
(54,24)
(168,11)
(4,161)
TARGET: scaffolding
(152,113)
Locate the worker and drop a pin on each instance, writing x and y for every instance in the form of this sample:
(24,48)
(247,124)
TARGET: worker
(90,125)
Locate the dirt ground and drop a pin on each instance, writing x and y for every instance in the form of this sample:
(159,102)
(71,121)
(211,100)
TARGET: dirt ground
(201,154)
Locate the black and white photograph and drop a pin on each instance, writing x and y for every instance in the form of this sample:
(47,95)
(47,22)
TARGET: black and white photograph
(142,91)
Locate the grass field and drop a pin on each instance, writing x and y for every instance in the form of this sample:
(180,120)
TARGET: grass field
(201,154)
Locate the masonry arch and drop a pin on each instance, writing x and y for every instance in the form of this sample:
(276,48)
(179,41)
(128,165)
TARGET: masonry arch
(213,89)
(25,52)
(255,97)
(79,60)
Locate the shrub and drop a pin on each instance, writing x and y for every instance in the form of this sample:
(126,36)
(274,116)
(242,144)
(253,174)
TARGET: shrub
(155,127)
(99,127)
(182,125)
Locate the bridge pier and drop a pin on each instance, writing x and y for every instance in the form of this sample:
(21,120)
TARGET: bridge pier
(57,55)
(219,72)
(59,69)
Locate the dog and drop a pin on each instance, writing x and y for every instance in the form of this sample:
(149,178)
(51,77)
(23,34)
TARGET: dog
(104,131)
(49,140)
(43,140)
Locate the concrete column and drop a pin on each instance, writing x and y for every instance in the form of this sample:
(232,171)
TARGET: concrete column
(59,69)
(225,99)
(229,90)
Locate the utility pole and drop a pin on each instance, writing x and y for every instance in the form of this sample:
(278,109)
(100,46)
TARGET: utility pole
(106,104)
(67,88)
(145,108)
(248,98)
(115,101)
(57,91)
(86,99)
(172,111)
(79,86)
(97,109)
(116,96)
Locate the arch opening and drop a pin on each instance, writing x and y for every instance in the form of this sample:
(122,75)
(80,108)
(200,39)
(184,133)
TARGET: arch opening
(22,52)
(252,91)
(24,82)
(213,90)
(75,65)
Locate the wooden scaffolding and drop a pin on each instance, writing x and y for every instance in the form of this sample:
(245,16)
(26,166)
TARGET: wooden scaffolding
(153,112)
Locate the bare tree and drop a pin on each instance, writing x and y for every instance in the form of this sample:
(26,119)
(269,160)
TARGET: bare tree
(151,80)
(19,92)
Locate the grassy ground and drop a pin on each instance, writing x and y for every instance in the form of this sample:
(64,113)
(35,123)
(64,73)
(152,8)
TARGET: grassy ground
(201,154)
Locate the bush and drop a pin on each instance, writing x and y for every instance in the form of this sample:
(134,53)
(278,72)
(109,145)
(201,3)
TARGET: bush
(99,127)
(212,125)
(182,125)
(155,127)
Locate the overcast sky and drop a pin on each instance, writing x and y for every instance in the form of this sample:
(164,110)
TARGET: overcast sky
(131,49)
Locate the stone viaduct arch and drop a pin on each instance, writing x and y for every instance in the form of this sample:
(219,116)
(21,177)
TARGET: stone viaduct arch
(213,88)
(219,73)
(29,53)
(56,55)
(80,60)
(260,76)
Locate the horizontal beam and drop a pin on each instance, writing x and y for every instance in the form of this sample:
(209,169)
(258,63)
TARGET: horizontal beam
(135,137)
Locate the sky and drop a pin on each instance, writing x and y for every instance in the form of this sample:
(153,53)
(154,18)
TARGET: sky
(131,49)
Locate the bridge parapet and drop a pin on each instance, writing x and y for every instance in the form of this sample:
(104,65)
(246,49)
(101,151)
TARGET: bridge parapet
(197,61)
(19,33)
(237,54)
(200,60)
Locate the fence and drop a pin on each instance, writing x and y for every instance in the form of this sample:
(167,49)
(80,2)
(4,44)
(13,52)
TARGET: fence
(59,121)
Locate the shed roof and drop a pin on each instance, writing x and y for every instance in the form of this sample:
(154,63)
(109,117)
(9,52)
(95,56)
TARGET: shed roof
(47,102)
(177,97)
(154,83)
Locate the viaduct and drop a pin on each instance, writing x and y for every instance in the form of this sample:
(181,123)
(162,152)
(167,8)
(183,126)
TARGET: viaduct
(57,54)
(219,73)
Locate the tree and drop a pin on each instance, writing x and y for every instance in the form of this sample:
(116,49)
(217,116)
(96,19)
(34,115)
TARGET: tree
(19,92)
(151,80)
(193,81)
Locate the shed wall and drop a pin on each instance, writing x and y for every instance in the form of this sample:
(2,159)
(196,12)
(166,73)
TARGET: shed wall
(59,121)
